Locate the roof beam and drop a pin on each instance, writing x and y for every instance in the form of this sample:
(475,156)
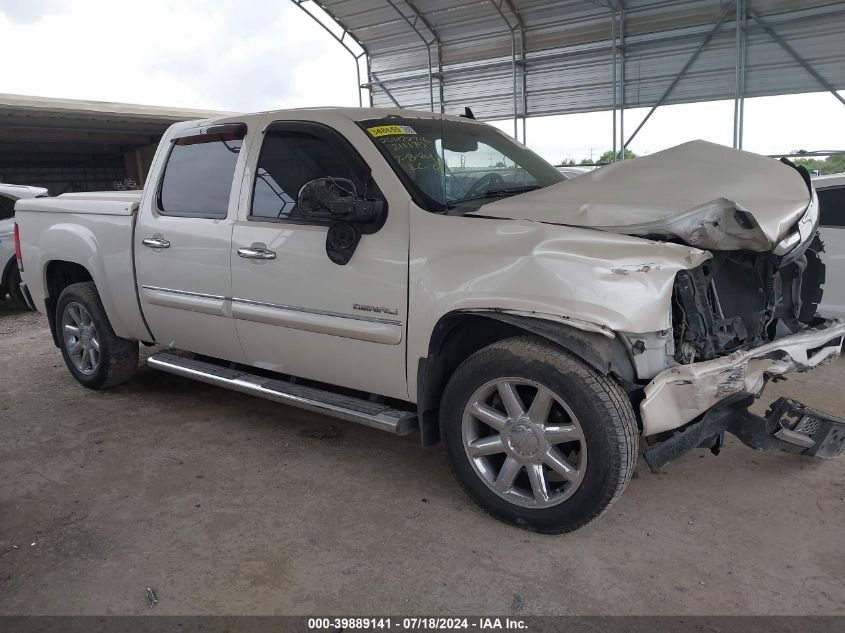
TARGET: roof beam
(376,81)
(680,75)
(792,52)
(418,16)
(340,40)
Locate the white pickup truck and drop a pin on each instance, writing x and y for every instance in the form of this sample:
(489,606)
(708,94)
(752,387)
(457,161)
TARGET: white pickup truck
(418,272)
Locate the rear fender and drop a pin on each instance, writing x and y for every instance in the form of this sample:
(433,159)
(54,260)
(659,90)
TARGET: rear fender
(78,244)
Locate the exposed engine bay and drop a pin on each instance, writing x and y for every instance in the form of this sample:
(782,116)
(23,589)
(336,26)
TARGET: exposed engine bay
(741,300)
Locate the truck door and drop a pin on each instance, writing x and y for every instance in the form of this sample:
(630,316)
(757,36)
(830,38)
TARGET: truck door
(183,240)
(298,312)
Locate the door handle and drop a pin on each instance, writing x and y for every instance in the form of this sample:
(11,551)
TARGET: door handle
(254,252)
(155,242)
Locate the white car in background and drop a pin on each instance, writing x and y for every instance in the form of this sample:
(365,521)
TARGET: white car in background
(573,171)
(831,192)
(10,277)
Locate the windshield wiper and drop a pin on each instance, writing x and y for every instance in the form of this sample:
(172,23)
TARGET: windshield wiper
(499,193)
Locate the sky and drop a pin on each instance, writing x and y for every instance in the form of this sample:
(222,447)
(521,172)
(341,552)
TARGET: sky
(238,55)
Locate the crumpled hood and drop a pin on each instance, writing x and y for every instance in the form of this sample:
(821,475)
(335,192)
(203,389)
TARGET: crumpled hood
(692,191)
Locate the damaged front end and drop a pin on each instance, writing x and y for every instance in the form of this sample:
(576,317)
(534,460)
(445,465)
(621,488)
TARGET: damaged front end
(739,320)
(741,300)
(683,393)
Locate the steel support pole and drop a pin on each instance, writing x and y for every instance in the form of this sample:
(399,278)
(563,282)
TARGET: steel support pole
(430,79)
(358,79)
(678,77)
(440,77)
(520,25)
(340,40)
(737,71)
(512,30)
(617,33)
(522,48)
(622,76)
(369,79)
(743,41)
(435,38)
(513,77)
(613,72)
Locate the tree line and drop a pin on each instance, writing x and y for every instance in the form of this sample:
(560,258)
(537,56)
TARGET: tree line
(830,165)
(605,158)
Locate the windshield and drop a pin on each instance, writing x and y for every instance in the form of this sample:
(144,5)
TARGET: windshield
(452,166)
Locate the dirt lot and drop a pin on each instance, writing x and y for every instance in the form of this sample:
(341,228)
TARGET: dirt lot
(227,504)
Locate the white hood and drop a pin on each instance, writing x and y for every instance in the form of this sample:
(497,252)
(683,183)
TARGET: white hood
(691,192)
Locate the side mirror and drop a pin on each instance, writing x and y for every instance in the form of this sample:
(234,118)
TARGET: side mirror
(336,200)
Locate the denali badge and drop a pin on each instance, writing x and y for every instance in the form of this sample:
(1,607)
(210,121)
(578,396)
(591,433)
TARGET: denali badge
(382,309)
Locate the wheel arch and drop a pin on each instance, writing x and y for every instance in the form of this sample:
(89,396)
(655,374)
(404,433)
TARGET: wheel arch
(58,275)
(459,334)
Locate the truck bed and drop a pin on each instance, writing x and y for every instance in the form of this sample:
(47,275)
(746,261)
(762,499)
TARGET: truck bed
(94,230)
(90,203)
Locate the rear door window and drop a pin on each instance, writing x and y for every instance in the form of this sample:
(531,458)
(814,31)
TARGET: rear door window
(832,206)
(198,177)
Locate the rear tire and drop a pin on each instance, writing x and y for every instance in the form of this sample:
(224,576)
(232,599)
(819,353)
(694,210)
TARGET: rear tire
(552,458)
(14,288)
(93,353)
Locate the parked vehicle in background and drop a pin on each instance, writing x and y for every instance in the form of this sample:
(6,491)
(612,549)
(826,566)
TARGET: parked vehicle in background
(10,278)
(536,326)
(831,192)
(573,171)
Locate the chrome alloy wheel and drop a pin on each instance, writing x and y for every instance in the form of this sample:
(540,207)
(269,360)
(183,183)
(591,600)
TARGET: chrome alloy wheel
(80,335)
(524,442)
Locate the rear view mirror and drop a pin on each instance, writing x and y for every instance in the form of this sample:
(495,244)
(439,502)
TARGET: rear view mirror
(460,143)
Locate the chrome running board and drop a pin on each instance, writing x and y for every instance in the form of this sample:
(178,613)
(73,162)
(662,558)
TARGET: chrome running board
(372,414)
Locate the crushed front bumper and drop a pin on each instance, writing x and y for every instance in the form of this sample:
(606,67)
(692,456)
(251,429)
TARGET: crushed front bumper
(788,425)
(802,429)
(678,395)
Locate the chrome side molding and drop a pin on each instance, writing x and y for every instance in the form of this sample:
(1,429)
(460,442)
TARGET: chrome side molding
(372,414)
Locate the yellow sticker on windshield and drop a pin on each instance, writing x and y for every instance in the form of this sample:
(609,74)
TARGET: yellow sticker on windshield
(390,130)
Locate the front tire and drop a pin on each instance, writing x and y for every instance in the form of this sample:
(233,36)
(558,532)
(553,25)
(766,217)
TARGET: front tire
(536,437)
(93,353)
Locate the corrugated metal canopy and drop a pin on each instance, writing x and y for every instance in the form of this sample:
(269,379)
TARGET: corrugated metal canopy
(36,129)
(558,54)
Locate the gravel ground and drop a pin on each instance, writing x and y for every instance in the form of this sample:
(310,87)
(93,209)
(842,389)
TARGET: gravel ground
(227,504)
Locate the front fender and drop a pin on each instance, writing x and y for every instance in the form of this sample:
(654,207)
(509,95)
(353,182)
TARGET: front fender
(616,283)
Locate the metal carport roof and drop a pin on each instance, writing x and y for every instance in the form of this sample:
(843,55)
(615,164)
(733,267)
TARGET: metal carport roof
(50,142)
(525,58)
(44,125)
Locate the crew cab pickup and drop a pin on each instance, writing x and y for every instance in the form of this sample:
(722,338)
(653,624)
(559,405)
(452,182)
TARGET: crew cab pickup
(426,273)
